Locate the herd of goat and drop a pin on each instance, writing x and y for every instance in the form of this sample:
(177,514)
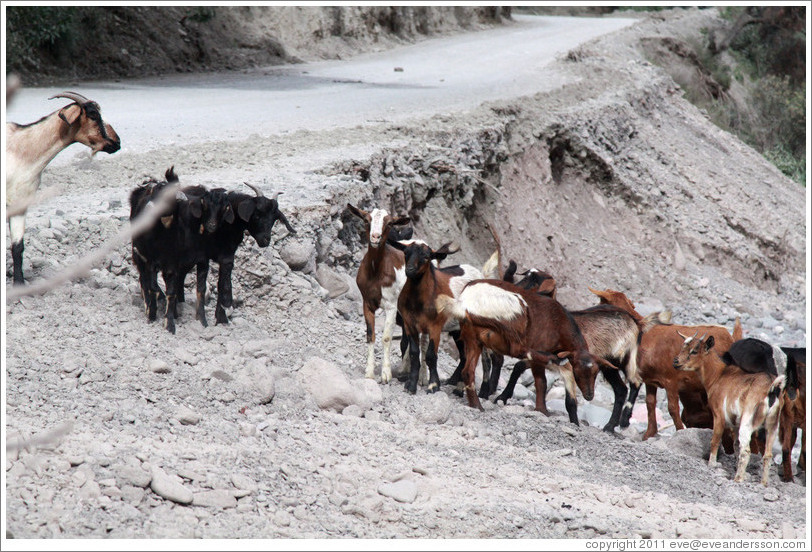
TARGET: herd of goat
(746,390)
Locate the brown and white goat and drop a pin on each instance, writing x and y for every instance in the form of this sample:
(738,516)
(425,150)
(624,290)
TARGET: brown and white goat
(513,321)
(793,415)
(29,149)
(743,401)
(659,344)
(425,282)
(380,279)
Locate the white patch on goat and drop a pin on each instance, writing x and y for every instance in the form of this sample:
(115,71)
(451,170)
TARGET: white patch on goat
(780,359)
(16,226)
(376,226)
(458,282)
(389,304)
(490,301)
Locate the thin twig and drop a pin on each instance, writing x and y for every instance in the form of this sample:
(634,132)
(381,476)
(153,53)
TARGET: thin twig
(141,223)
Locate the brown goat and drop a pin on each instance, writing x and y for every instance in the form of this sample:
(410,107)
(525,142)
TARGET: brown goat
(793,416)
(512,321)
(425,282)
(743,401)
(659,345)
(380,279)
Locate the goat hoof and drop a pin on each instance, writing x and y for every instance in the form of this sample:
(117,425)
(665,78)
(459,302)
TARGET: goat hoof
(411,388)
(458,392)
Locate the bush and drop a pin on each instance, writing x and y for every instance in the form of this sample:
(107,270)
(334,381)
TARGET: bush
(51,29)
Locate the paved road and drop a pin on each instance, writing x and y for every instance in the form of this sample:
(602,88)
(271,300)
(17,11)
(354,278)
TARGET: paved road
(439,75)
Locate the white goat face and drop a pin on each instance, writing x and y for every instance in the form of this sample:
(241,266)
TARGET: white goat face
(376,226)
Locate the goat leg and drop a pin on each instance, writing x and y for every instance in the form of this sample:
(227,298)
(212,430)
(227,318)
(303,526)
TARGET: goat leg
(16,226)
(456,377)
(540,380)
(619,388)
(171,300)
(487,365)
(414,368)
(431,362)
(628,408)
(651,409)
(202,275)
(17,261)
(224,298)
(507,392)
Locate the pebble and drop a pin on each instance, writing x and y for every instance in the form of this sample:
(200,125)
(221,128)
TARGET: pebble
(771,495)
(132,495)
(187,416)
(159,366)
(282,518)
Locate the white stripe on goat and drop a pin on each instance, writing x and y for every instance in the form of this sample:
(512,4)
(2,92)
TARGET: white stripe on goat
(494,302)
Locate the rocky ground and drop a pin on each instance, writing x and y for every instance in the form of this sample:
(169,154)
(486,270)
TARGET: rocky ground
(265,428)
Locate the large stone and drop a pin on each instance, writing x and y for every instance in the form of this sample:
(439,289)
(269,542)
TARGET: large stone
(328,385)
(404,490)
(333,282)
(131,475)
(691,441)
(170,487)
(299,256)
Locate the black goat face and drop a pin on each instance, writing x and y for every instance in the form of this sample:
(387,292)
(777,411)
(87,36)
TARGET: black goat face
(417,256)
(265,215)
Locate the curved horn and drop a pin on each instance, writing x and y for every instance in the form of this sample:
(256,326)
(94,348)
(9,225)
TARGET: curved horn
(684,337)
(78,98)
(276,196)
(255,188)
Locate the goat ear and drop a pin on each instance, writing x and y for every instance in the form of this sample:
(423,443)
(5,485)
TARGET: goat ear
(398,245)
(245,209)
(709,343)
(547,287)
(401,220)
(360,213)
(196,208)
(228,215)
(445,250)
(64,109)
(511,270)
(167,221)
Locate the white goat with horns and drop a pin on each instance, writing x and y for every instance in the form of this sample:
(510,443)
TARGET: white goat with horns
(29,149)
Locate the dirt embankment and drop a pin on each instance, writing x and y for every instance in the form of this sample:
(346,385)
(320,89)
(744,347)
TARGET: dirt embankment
(265,428)
(117,42)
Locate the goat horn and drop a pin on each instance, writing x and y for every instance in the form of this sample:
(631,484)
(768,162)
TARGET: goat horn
(78,98)
(276,195)
(255,188)
(684,337)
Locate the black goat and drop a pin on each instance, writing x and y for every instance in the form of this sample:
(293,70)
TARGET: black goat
(257,215)
(173,244)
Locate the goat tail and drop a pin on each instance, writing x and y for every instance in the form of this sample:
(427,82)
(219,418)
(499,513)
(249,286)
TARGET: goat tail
(654,319)
(445,304)
(775,389)
(490,270)
(737,330)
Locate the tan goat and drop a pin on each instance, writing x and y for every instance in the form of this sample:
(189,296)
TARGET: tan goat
(743,401)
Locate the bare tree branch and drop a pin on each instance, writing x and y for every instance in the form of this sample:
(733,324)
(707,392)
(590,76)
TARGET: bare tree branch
(141,223)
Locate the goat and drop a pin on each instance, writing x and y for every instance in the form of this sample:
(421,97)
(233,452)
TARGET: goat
(425,282)
(173,245)
(29,149)
(793,415)
(737,399)
(612,335)
(659,344)
(380,279)
(240,213)
(512,321)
